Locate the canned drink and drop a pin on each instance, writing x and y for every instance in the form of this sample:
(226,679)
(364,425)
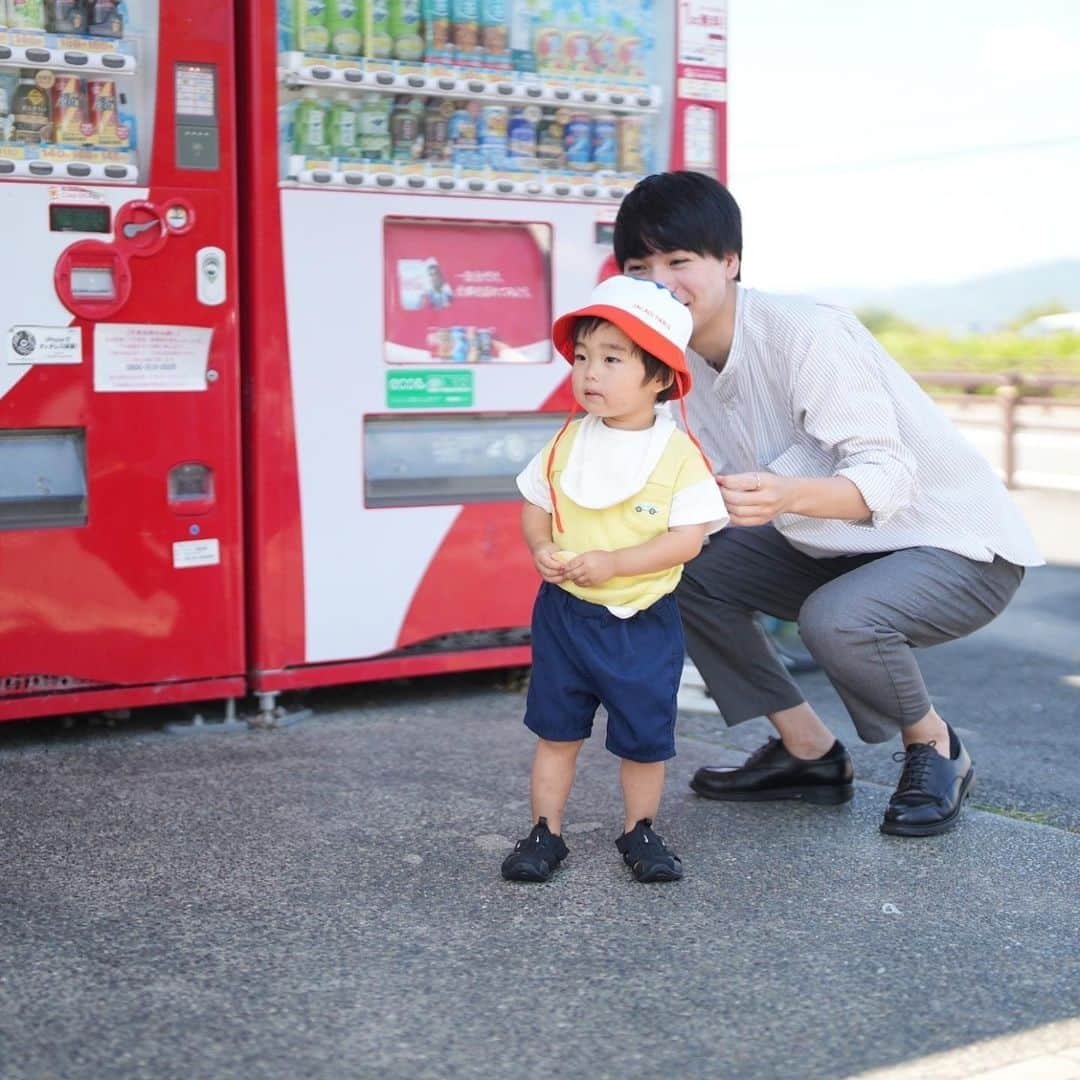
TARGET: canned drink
(494,33)
(632,144)
(577,135)
(485,344)
(437,30)
(551,139)
(103,109)
(67,16)
(492,129)
(437,129)
(459,344)
(26,14)
(69,110)
(405,130)
(465,30)
(521,137)
(605,141)
(106,18)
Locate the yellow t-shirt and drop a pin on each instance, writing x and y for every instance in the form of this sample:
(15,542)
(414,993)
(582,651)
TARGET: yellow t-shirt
(627,523)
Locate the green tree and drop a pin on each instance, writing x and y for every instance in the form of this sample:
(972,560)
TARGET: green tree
(879,320)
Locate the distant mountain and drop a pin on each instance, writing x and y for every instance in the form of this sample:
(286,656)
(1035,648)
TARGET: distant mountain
(980,304)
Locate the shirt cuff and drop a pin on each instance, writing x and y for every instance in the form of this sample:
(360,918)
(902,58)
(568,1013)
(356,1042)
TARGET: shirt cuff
(879,492)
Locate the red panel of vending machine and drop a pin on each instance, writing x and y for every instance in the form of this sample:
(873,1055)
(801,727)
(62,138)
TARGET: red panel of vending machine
(121,576)
(432,183)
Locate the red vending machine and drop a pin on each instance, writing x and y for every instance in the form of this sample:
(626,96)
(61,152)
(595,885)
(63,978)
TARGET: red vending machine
(431,183)
(121,577)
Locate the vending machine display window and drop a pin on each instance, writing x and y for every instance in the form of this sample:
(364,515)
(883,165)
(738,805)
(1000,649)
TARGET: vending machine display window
(466,292)
(448,460)
(77,88)
(534,98)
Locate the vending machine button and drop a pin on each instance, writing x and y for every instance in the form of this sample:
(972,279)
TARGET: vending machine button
(616,192)
(616,98)
(590,191)
(76,59)
(589,95)
(384,78)
(475,86)
(477,185)
(5,53)
(561,189)
(38,56)
(504,88)
(116,172)
(354,178)
(322,176)
(505,186)
(560,93)
(533,188)
(417,81)
(446,84)
(353,75)
(320,72)
(417,181)
(385,180)
(534,91)
(113,60)
(6,166)
(447,183)
(644,100)
(41,168)
(78,170)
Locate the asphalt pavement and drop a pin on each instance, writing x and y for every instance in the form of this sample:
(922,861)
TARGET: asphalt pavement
(324,900)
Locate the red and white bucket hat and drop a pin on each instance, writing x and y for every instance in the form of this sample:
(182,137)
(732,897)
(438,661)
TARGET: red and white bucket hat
(647,312)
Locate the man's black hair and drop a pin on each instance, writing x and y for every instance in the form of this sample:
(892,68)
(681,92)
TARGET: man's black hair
(587,325)
(678,211)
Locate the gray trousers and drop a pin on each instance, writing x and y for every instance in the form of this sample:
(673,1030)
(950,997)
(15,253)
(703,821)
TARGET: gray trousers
(860,616)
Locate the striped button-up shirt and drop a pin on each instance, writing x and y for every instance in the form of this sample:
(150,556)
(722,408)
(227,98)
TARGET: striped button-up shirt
(807,391)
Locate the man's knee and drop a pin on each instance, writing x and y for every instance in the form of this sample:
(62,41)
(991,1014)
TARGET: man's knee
(834,626)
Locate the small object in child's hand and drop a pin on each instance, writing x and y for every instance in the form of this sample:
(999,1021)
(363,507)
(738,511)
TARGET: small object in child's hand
(565,556)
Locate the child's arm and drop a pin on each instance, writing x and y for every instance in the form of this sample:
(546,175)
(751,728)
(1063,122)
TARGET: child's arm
(678,545)
(536,527)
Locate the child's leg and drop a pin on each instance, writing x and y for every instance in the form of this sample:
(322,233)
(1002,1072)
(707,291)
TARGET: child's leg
(642,786)
(554,765)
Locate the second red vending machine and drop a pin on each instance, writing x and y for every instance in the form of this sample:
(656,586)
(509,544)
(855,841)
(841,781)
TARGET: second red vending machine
(121,577)
(431,183)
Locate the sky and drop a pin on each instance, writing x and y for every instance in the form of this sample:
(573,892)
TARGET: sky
(874,144)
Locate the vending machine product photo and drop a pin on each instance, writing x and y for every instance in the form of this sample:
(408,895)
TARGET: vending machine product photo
(429,184)
(121,561)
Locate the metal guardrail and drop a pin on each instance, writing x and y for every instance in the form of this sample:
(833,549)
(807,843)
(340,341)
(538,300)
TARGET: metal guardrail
(1012,390)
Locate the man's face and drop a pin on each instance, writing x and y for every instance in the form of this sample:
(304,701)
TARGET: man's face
(701,282)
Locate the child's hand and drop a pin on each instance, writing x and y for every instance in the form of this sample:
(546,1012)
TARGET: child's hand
(548,565)
(592,568)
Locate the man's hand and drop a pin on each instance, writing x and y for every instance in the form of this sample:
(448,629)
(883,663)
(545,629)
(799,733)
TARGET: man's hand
(755,498)
(592,568)
(548,566)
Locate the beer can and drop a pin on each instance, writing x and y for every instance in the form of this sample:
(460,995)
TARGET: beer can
(69,110)
(103,108)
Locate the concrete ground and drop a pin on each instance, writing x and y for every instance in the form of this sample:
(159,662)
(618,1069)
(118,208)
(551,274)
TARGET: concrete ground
(324,900)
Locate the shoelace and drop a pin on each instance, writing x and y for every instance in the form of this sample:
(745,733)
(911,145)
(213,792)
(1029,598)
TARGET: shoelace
(759,753)
(918,759)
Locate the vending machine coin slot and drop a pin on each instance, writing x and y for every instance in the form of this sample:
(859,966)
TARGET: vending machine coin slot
(92,279)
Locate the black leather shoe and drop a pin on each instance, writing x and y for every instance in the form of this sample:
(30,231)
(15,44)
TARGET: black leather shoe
(931,790)
(772,773)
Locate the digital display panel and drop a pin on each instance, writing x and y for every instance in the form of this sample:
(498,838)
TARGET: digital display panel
(196,92)
(82,219)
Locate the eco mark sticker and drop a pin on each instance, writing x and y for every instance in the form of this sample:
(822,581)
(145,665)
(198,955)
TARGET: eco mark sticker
(429,389)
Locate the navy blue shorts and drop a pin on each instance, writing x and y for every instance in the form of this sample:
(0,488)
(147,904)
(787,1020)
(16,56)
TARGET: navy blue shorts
(584,656)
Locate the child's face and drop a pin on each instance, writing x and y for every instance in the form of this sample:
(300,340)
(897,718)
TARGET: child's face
(609,379)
